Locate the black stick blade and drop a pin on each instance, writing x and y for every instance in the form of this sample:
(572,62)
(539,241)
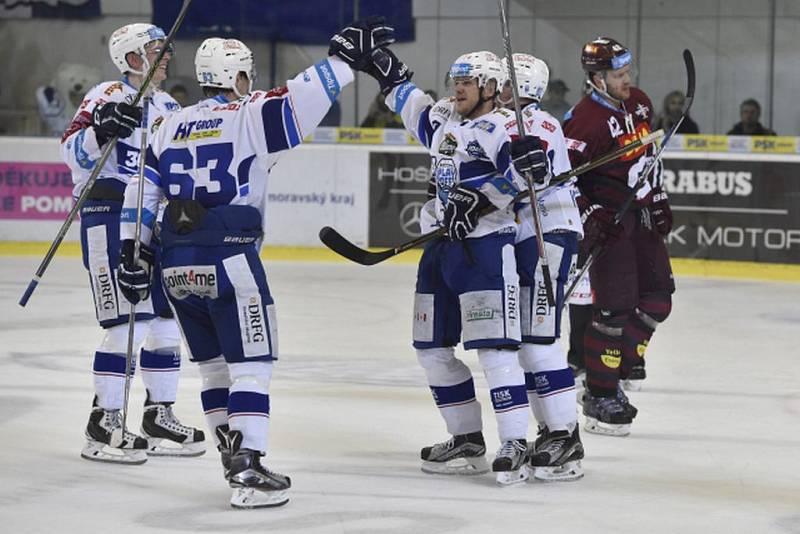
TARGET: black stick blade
(340,245)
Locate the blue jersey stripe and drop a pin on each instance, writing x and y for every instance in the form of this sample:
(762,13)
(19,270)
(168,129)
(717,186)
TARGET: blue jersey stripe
(247,402)
(272,115)
(152,175)
(476,167)
(291,127)
(328,79)
(401,94)
(504,158)
(81,156)
(425,128)
(128,215)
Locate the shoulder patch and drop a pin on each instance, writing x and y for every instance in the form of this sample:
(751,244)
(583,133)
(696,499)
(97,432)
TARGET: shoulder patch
(475,150)
(156,124)
(575,144)
(116,86)
(483,124)
(448,145)
(549,126)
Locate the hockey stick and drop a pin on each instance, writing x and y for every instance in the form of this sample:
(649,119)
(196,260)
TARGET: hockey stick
(137,234)
(109,147)
(595,251)
(537,220)
(345,248)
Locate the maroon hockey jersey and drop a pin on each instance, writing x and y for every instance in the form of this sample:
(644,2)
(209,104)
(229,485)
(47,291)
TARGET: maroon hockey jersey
(593,128)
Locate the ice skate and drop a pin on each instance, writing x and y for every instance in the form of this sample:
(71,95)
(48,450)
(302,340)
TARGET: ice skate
(580,384)
(606,416)
(630,409)
(254,486)
(165,435)
(224,449)
(510,464)
(460,455)
(635,379)
(558,457)
(106,441)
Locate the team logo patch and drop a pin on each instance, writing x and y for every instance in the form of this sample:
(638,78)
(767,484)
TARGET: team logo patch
(484,125)
(446,176)
(197,280)
(156,124)
(475,150)
(448,145)
(611,358)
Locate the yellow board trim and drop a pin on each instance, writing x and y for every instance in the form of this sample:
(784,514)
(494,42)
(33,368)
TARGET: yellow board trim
(745,270)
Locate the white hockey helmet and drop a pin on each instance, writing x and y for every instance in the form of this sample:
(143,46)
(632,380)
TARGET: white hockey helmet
(219,61)
(532,76)
(482,65)
(132,38)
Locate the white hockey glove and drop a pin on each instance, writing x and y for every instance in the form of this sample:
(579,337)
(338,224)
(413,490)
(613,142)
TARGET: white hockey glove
(354,43)
(462,211)
(134,279)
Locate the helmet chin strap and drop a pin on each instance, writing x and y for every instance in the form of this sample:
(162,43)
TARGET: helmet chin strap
(249,87)
(604,90)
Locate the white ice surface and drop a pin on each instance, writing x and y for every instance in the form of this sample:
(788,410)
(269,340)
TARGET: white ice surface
(715,448)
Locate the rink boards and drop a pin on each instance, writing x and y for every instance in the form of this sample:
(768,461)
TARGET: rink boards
(738,209)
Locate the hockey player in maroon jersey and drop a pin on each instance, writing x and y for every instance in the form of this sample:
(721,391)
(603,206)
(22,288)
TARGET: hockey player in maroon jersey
(631,277)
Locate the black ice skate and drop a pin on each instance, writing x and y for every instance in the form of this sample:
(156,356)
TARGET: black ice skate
(106,441)
(460,455)
(165,435)
(254,486)
(635,379)
(511,463)
(606,416)
(558,456)
(630,409)
(224,449)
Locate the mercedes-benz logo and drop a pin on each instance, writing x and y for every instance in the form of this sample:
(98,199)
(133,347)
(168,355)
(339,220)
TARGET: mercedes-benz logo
(409,219)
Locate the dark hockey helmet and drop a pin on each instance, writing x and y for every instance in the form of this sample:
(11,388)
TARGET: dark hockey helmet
(604,53)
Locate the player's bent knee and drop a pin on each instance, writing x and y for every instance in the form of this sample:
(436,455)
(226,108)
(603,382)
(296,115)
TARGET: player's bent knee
(538,358)
(610,323)
(251,375)
(115,340)
(214,373)
(654,309)
(430,358)
(162,333)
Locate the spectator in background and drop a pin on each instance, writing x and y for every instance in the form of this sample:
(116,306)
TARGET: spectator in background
(554,101)
(58,101)
(180,94)
(431,93)
(750,113)
(673,106)
(380,116)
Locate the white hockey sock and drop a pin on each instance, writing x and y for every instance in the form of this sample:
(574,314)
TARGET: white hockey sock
(453,389)
(160,360)
(109,365)
(248,403)
(214,393)
(554,383)
(507,387)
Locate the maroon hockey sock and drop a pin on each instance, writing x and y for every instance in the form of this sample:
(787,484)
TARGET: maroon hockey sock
(603,359)
(635,337)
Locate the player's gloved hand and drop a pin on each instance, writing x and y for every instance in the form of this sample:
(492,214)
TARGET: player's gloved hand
(115,118)
(661,213)
(462,211)
(354,43)
(133,279)
(528,156)
(599,228)
(388,70)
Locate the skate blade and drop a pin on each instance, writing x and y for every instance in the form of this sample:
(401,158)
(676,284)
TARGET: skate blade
(248,498)
(632,385)
(512,478)
(457,466)
(568,472)
(166,447)
(100,452)
(594,426)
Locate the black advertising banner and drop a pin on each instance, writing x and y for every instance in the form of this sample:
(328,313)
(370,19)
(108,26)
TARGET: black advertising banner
(735,209)
(398,185)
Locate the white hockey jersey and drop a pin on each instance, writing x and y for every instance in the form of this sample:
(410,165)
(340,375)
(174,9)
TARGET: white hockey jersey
(220,153)
(472,153)
(79,147)
(557,207)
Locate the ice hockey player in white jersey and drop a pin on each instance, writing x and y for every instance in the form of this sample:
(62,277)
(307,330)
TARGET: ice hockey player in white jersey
(212,162)
(557,452)
(104,113)
(467,284)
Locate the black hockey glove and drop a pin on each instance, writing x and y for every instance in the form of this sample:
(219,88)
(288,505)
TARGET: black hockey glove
(115,118)
(661,213)
(354,43)
(388,70)
(599,228)
(134,279)
(529,156)
(462,211)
